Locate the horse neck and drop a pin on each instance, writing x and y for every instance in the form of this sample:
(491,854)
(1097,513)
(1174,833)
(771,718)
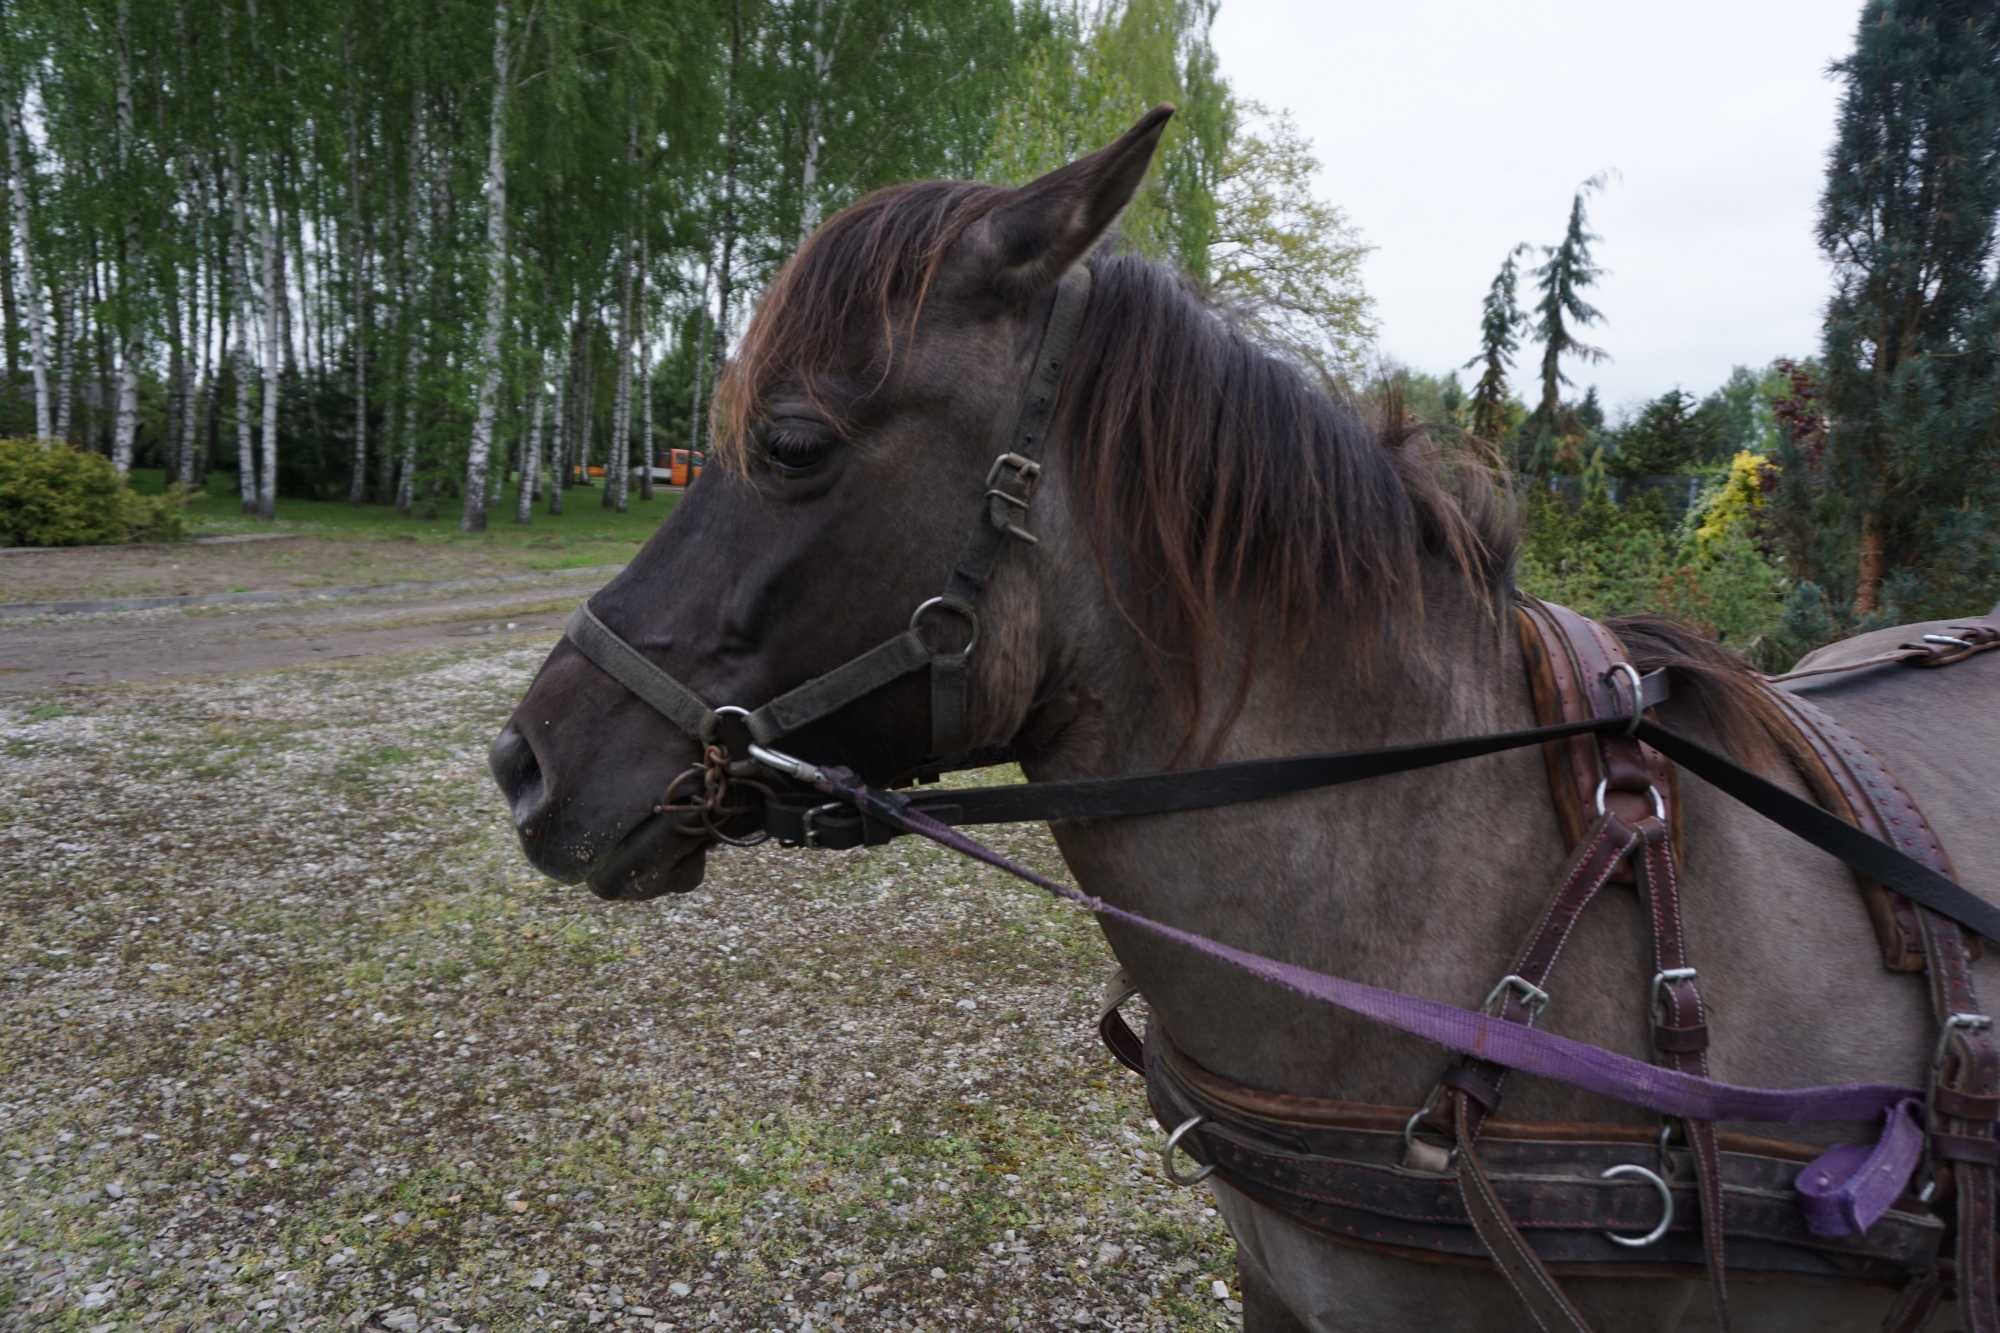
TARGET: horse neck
(1405,881)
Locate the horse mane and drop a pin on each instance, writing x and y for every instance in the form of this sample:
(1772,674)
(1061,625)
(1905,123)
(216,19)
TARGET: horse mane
(1735,697)
(1229,476)
(1212,467)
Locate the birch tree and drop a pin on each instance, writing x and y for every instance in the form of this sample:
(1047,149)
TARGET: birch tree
(473,518)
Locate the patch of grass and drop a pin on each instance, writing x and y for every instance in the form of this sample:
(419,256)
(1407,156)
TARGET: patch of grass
(585,533)
(46,712)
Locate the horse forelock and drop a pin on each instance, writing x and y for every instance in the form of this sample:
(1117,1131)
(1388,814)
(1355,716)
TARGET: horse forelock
(869,267)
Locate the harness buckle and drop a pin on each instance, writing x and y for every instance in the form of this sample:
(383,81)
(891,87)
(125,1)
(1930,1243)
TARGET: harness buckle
(1025,472)
(1658,992)
(810,836)
(1956,1023)
(1533,998)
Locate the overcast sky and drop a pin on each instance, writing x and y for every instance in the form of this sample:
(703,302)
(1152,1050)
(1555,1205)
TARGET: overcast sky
(1450,129)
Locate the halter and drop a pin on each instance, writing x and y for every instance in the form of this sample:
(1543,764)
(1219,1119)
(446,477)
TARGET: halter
(1010,487)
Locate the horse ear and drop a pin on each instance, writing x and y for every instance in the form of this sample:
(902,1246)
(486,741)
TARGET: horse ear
(1048,224)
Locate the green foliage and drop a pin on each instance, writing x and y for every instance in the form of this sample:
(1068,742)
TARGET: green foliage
(1286,261)
(1231,200)
(53,495)
(1669,435)
(1604,560)
(1907,221)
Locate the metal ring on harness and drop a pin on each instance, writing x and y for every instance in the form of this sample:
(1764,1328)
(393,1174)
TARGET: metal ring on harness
(957,607)
(1666,1205)
(711,723)
(1410,1139)
(1659,805)
(1638,695)
(1167,1155)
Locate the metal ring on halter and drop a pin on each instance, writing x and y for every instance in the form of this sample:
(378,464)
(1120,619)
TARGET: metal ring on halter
(1167,1155)
(956,607)
(1659,803)
(1946,639)
(715,715)
(1638,694)
(1666,1205)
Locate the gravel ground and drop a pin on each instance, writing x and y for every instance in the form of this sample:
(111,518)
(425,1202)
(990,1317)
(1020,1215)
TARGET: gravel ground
(294,1038)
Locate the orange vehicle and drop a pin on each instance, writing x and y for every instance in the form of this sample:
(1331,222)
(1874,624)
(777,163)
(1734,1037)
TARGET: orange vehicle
(684,465)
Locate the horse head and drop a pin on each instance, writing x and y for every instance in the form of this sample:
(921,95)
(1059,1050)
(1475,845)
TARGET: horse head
(859,431)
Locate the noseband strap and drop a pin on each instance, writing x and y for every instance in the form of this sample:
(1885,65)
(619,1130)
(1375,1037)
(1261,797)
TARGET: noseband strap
(1010,486)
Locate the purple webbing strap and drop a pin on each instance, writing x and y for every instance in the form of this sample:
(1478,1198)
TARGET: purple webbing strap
(1846,1188)
(1850,1192)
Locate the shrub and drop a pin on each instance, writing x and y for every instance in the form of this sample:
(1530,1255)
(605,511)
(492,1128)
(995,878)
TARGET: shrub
(53,495)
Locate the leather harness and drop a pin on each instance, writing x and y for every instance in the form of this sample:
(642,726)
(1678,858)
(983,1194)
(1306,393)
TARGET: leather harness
(1452,1183)
(1453,1180)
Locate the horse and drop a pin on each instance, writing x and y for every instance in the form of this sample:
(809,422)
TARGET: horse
(1226,561)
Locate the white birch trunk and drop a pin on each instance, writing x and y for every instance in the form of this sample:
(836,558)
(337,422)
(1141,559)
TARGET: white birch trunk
(31,287)
(646,456)
(357,277)
(700,354)
(473,518)
(822,62)
(559,451)
(267,478)
(531,458)
(131,347)
(68,334)
(239,265)
(618,458)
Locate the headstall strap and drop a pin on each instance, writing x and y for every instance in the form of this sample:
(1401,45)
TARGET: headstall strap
(928,643)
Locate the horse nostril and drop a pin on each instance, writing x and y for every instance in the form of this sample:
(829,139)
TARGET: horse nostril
(514,767)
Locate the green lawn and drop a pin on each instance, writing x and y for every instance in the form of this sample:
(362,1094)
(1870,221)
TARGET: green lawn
(585,533)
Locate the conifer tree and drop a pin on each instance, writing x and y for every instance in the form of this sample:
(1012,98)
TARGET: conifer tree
(1499,339)
(1565,273)
(1907,220)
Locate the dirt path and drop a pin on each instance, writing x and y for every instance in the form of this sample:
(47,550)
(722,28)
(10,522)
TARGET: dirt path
(225,633)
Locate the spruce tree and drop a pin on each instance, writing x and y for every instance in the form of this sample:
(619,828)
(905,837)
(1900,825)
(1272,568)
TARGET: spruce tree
(1907,220)
(1499,339)
(1565,273)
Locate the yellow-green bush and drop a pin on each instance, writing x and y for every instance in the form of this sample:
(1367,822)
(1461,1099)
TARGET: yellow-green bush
(53,495)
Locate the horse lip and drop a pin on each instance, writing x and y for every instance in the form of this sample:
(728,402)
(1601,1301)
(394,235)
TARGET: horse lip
(635,870)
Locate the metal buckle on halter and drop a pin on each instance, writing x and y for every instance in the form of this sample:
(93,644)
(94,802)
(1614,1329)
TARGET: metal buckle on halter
(1661,980)
(1946,640)
(1025,471)
(1533,998)
(809,837)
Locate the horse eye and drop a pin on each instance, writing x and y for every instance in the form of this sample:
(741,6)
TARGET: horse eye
(794,450)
